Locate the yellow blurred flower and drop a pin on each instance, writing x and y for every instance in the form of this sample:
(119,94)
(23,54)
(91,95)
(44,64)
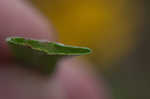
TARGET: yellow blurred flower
(104,26)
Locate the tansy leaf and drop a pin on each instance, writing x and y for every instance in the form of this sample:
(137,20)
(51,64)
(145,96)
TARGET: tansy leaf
(42,55)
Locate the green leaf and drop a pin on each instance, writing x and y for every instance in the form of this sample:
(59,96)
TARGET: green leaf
(42,55)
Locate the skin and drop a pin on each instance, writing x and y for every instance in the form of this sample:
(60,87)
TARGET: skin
(71,80)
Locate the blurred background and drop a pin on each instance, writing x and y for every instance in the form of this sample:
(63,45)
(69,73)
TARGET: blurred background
(118,33)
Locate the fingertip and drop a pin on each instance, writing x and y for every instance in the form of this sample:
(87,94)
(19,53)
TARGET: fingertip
(19,18)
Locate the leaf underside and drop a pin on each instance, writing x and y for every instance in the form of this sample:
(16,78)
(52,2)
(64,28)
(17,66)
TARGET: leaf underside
(41,55)
(50,48)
